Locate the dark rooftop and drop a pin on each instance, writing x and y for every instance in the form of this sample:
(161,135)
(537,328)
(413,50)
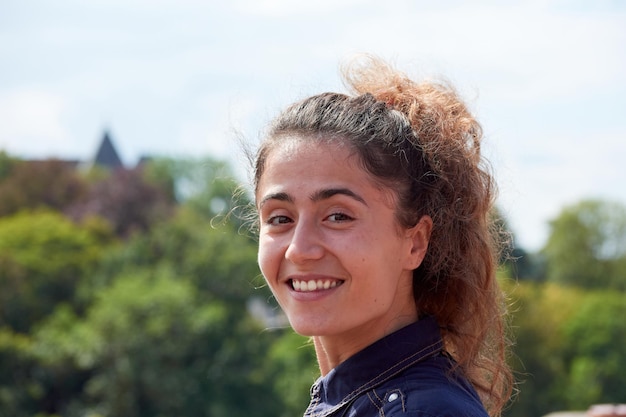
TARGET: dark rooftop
(107,155)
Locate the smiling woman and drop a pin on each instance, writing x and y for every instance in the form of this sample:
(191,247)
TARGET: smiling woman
(375,239)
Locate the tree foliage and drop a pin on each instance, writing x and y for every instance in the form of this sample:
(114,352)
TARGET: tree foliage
(126,199)
(50,183)
(151,345)
(587,246)
(220,262)
(595,339)
(539,314)
(43,259)
(568,352)
(7,162)
(129,293)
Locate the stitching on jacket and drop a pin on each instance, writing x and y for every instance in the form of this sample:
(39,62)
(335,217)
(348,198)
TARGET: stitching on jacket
(381,412)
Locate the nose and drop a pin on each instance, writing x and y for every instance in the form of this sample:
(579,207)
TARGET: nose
(306,243)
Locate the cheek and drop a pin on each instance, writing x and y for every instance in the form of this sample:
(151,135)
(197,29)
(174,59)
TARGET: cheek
(267,258)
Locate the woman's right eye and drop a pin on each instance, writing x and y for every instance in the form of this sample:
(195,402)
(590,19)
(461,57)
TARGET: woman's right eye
(278,220)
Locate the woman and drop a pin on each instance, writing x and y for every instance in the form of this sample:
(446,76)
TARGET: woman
(375,239)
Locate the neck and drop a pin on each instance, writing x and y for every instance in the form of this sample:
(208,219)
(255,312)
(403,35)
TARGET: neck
(330,353)
(333,350)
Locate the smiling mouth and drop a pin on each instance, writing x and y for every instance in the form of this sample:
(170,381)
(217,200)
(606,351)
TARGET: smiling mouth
(314,285)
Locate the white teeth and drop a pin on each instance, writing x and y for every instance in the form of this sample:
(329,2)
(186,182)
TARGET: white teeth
(307,286)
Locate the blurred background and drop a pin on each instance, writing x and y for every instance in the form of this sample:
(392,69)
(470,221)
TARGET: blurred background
(125,289)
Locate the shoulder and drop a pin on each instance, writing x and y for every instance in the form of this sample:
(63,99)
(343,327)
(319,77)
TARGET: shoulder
(427,390)
(442,403)
(435,402)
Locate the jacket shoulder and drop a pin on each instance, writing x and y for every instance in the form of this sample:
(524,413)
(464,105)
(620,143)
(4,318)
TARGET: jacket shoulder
(427,390)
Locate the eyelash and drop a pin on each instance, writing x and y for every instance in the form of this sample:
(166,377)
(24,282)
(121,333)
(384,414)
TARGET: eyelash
(272,221)
(344,217)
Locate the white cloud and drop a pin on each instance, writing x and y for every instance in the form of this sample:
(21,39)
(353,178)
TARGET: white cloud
(289,8)
(32,122)
(215,125)
(523,51)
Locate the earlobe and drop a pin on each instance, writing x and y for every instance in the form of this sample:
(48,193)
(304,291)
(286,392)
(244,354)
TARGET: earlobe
(419,236)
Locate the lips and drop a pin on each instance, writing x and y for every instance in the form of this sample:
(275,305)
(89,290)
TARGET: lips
(314,284)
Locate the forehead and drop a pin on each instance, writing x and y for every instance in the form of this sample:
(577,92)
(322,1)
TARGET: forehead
(301,145)
(301,160)
(317,154)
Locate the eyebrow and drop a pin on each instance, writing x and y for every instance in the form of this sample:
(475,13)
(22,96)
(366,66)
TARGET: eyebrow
(276,196)
(319,195)
(331,192)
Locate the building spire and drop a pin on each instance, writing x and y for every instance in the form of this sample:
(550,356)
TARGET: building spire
(107,156)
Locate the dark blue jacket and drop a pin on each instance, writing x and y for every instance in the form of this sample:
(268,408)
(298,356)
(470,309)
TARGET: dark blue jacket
(404,374)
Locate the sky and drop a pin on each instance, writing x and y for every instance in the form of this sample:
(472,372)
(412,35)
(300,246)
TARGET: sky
(187,78)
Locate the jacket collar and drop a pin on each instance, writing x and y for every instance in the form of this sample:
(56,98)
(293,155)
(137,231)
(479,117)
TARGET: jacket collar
(374,365)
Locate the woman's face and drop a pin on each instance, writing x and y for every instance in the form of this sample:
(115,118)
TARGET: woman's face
(330,247)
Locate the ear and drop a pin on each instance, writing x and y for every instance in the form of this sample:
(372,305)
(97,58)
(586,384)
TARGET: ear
(418,237)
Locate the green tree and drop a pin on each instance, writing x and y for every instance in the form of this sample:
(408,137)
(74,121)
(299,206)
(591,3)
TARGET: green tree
(595,339)
(43,258)
(19,391)
(569,347)
(7,162)
(292,367)
(587,246)
(151,345)
(167,333)
(540,315)
(219,261)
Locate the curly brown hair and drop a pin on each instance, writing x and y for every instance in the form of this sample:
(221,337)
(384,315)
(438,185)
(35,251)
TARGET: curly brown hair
(420,140)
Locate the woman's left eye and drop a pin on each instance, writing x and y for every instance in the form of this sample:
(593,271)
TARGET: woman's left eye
(339,217)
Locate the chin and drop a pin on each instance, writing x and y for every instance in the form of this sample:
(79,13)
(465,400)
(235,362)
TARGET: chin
(305,327)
